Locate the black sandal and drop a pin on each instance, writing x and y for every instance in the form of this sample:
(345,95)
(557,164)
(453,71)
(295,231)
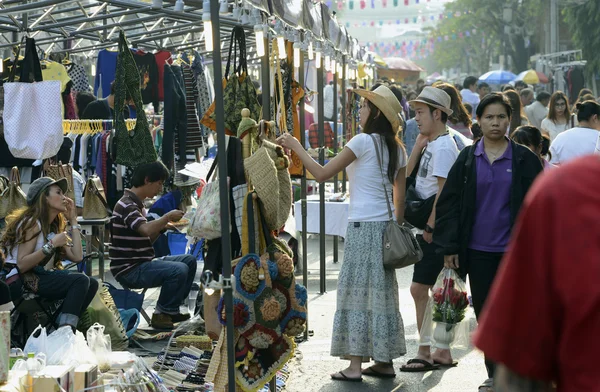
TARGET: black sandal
(377,374)
(345,378)
(425,368)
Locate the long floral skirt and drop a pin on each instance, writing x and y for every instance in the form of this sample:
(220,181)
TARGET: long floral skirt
(367,320)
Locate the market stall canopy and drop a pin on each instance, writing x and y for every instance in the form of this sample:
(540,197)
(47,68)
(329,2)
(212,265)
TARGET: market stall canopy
(399,63)
(532,77)
(497,77)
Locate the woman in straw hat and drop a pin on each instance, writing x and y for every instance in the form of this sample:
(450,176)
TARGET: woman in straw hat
(367,322)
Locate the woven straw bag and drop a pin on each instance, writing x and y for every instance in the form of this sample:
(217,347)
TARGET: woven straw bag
(12,198)
(262,173)
(94,202)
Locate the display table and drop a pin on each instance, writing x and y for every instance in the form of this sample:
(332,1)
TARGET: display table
(336,216)
(87,230)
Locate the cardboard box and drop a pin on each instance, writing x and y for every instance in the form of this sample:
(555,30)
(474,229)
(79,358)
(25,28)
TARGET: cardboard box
(53,377)
(86,376)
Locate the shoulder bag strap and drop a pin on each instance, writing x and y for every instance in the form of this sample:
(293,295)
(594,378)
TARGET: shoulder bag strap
(15,176)
(387,198)
(251,229)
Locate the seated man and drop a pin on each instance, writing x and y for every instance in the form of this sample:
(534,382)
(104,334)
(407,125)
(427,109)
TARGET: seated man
(132,261)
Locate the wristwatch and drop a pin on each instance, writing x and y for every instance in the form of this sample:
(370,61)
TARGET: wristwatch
(428,229)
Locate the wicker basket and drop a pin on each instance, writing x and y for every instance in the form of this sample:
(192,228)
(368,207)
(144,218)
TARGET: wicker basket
(201,342)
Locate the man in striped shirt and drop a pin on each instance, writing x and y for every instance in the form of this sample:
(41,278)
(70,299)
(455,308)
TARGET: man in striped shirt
(132,261)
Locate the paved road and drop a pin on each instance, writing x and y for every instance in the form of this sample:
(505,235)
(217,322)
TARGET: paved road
(312,366)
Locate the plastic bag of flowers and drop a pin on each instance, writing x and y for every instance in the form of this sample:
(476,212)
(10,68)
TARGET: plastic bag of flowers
(444,325)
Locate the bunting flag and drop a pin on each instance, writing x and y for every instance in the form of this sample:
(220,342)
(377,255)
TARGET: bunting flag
(377,3)
(417,48)
(413,20)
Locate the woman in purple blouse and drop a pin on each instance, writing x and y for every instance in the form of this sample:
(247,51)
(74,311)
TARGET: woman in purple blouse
(479,203)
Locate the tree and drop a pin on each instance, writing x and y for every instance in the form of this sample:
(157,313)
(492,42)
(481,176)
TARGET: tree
(487,18)
(584,23)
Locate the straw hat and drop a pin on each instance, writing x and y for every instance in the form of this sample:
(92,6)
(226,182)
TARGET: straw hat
(436,98)
(386,102)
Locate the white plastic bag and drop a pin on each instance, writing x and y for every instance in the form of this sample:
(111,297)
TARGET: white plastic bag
(60,343)
(446,318)
(37,341)
(100,345)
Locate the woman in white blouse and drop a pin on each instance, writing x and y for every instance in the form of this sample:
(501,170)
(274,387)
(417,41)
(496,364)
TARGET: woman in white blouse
(559,116)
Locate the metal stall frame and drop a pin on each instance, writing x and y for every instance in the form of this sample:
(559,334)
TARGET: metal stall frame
(85,27)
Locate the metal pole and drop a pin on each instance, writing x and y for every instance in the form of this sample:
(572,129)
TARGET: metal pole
(304,211)
(335,150)
(553,26)
(344,120)
(224,192)
(266,81)
(321,185)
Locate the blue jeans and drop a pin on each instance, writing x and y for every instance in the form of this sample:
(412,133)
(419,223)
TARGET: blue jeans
(174,274)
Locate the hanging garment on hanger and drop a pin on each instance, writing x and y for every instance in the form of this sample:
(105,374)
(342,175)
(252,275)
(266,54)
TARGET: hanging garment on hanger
(204,97)
(146,63)
(81,82)
(194,135)
(69,103)
(52,70)
(175,127)
(162,57)
(106,69)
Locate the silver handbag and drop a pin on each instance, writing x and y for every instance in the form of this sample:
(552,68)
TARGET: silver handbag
(400,247)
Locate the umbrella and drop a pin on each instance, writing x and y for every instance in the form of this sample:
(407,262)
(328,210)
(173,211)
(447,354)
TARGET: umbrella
(497,77)
(532,77)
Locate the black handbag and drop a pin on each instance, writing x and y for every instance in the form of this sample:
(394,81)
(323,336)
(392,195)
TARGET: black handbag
(416,210)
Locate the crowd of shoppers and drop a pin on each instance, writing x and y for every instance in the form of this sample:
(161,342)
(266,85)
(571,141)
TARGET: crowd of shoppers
(476,155)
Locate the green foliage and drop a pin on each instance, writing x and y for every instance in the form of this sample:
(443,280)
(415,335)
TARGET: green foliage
(584,24)
(486,17)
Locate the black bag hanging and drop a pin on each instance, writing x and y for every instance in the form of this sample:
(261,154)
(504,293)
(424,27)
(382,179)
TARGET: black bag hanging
(416,209)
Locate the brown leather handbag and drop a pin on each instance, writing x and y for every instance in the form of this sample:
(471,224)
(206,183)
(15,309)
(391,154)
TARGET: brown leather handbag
(94,200)
(58,171)
(12,198)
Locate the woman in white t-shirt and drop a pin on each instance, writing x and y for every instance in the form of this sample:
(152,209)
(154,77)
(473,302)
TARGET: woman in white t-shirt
(367,321)
(559,116)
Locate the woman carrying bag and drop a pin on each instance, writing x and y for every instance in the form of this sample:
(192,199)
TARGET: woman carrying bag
(480,202)
(35,241)
(367,323)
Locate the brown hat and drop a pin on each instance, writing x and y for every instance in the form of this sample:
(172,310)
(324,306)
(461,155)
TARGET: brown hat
(436,98)
(386,101)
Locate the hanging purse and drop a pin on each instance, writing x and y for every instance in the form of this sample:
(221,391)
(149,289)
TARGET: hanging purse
(32,110)
(94,200)
(206,222)
(135,147)
(12,198)
(238,90)
(400,247)
(58,171)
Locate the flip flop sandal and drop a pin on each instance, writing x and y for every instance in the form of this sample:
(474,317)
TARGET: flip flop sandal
(374,373)
(345,378)
(425,368)
(487,385)
(446,365)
